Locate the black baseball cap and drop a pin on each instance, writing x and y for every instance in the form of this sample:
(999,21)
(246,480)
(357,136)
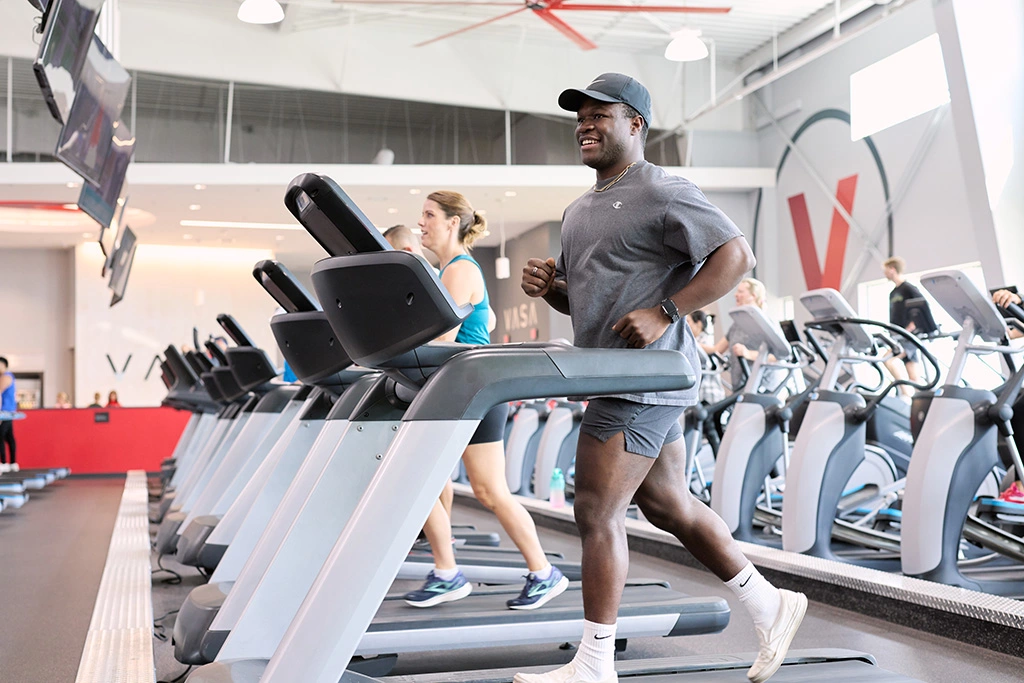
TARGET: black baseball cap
(610,87)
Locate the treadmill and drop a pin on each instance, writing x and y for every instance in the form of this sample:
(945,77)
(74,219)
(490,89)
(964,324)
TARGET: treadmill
(396,347)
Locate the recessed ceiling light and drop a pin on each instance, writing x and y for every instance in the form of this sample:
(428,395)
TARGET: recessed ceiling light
(280,238)
(186,236)
(194,207)
(87,235)
(415,191)
(120,201)
(70,207)
(392,210)
(510,193)
(199,186)
(74,185)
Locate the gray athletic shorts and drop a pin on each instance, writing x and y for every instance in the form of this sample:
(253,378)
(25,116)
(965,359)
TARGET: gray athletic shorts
(646,428)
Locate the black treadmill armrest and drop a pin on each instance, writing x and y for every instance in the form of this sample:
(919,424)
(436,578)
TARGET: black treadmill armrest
(470,384)
(234,330)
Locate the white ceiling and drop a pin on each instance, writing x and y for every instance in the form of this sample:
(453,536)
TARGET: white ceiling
(749,25)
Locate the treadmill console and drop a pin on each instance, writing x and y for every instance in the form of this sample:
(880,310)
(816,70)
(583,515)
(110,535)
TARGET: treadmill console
(826,303)
(962,299)
(754,324)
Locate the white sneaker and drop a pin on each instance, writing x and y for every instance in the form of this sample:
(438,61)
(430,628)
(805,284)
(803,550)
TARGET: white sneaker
(567,674)
(776,640)
(15,467)
(4,467)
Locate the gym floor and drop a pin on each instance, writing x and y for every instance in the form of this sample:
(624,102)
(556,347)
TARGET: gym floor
(53,553)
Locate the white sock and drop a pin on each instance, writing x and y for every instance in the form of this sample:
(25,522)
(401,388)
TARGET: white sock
(595,660)
(544,574)
(446,574)
(760,598)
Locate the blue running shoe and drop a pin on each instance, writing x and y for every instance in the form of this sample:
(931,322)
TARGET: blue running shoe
(436,590)
(537,593)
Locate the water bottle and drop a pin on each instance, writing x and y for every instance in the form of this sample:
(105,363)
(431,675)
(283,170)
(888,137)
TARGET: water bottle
(557,495)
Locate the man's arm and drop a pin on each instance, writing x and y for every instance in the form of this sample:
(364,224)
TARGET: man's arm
(722,271)
(539,281)
(5,381)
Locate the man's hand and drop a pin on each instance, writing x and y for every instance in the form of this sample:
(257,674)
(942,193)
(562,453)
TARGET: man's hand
(642,327)
(538,276)
(740,351)
(1004,297)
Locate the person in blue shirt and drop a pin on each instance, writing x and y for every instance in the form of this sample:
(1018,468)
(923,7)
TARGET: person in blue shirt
(8,404)
(449,227)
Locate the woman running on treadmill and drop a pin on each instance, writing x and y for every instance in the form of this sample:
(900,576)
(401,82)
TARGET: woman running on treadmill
(450,226)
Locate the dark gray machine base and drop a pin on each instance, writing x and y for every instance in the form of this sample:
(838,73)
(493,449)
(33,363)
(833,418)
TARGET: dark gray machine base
(167,535)
(193,538)
(801,666)
(165,506)
(192,625)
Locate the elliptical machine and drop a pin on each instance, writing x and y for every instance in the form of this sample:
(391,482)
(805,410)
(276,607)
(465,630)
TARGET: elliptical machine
(832,444)
(958,447)
(757,436)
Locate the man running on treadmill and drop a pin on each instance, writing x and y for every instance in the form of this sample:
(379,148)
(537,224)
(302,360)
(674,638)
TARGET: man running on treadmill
(640,250)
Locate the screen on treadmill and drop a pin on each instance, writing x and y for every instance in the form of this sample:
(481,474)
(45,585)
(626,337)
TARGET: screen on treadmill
(63,50)
(89,128)
(123,259)
(100,202)
(790,331)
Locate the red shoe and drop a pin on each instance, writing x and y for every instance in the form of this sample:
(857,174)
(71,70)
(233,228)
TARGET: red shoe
(1014,494)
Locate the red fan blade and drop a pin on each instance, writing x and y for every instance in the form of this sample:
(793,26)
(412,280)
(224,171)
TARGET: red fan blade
(561,6)
(473,26)
(566,30)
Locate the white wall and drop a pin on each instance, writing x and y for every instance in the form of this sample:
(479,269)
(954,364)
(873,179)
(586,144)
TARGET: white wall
(170,290)
(36,315)
(932,224)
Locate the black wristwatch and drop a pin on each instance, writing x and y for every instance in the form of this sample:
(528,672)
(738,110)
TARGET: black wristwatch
(671,311)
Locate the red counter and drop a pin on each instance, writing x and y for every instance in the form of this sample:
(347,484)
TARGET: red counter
(98,440)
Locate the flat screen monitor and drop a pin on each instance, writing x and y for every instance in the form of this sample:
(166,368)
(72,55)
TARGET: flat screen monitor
(114,234)
(88,132)
(69,29)
(123,258)
(100,202)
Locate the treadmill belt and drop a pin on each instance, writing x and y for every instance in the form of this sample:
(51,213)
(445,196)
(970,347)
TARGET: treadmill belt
(802,666)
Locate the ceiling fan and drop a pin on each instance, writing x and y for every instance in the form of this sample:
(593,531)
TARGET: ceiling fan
(545,10)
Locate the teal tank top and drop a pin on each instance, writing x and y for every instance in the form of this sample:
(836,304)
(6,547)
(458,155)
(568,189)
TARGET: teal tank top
(474,328)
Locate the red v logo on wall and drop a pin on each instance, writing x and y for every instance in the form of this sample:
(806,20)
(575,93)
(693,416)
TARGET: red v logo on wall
(835,255)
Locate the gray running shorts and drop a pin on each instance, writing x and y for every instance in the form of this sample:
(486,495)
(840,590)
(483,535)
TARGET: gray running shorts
(646,428)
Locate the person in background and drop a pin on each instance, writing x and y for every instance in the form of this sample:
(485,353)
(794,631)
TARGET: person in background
(711,389)
(749,292)
(112,400)
(8,404)
(96,398)
(1014,493)
(63,400)
(907,365)
(449,227)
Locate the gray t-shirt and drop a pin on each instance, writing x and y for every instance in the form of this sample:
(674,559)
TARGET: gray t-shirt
(632,246)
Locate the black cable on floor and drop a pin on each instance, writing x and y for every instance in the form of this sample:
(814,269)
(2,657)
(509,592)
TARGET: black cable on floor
(179,678)
(175,576)
(161,618)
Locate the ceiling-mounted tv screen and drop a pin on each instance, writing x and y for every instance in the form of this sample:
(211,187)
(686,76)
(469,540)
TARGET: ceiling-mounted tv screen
(100,202)
(88,132)
(123,259)
(63,50)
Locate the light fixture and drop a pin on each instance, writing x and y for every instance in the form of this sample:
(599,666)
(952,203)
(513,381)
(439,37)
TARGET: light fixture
(88,235)
(415,191)
(199,186)
(392,211)
(385,157)
(510,193)
(73,185)
(279,238)
(194,207)
(686,46)
(261,12)
(239,224)
(186,236)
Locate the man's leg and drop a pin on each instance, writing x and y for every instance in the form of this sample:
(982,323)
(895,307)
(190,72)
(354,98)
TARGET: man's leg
(5,430)
(668,504)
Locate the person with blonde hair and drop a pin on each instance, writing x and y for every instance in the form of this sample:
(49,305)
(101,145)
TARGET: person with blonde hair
(449,228)
(749,292)
(63,401)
